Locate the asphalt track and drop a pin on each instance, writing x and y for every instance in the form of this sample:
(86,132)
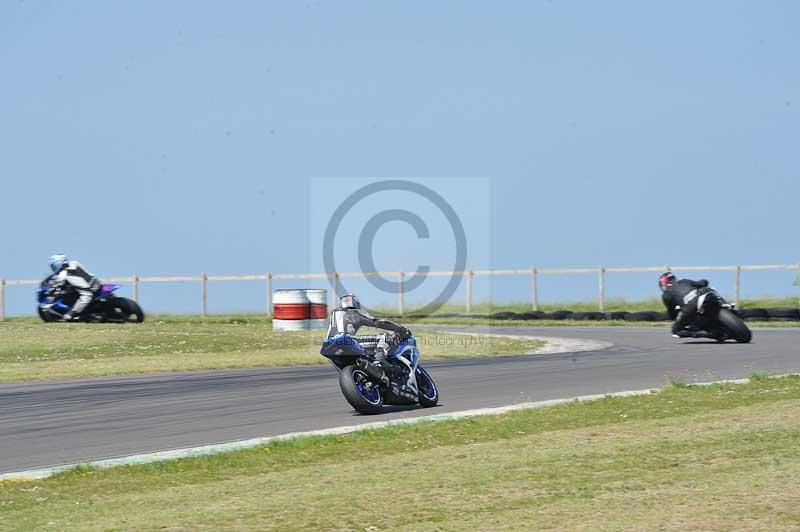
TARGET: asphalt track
(45,424)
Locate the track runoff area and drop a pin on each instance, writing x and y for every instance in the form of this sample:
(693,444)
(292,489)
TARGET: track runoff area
(279,404)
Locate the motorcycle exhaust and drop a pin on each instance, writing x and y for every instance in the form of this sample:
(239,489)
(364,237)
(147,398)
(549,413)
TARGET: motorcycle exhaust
(371,369)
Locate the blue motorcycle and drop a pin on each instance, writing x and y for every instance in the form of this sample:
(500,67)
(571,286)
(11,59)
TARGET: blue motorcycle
(106,307)
(369,381)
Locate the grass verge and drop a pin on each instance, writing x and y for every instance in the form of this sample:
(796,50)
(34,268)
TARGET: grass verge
(30,350)
(722,457)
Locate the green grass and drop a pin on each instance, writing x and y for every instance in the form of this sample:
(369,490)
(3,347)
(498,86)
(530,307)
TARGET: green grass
(32,350)
(721,457)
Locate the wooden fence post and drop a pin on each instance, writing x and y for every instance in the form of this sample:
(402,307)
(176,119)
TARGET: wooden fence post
(602,289)
(203,295)
(401,294)
(534,289)
(470,274)
(268,294)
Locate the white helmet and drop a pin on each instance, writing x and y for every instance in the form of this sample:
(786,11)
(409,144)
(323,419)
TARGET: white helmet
(349,301)
(57,262)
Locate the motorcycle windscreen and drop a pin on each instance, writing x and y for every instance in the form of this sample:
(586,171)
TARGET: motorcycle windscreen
(108,289)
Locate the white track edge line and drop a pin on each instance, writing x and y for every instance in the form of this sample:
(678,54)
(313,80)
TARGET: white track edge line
(204,450)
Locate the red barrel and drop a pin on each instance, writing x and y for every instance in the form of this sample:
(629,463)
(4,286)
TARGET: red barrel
(299,309)
(319,303)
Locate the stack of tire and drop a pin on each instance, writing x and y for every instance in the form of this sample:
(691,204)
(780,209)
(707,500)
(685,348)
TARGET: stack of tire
(560,315)
(784,314)
(299,309)
(771,314)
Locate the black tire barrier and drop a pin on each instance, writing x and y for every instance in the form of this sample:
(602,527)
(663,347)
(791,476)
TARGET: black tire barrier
(641,316)
(594,316)
(789,314)
(752,313)
(782,314)
(505,316)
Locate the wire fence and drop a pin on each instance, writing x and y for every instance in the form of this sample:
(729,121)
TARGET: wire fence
(534,274)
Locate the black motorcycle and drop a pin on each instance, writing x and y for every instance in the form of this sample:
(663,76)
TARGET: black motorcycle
(106,307)
(368,384)
(717,319)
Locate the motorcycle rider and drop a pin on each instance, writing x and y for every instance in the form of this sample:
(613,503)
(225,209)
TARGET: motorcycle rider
(67,273)
(680,298)
(348,317)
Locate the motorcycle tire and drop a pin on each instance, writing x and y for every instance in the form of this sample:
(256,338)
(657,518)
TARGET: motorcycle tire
(428,392)
(366,400)
(129,309)
(735,326)
(45,316)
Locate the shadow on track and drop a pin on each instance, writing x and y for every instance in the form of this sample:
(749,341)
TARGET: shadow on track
(393,409)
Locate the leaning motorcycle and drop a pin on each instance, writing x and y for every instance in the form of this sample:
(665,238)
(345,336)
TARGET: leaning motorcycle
(368,384)
(717,318)
(106,307)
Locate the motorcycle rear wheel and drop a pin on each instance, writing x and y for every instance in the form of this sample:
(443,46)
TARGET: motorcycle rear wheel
(45,316)
(362,394)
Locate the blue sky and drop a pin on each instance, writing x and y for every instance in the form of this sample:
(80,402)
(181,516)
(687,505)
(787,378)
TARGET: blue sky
(179,137)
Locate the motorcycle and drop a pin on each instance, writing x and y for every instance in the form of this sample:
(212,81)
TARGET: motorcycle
(368,383)
(54,302)
(716,318)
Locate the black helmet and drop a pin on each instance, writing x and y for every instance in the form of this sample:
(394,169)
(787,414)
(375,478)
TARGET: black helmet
(666,279)
(349,301)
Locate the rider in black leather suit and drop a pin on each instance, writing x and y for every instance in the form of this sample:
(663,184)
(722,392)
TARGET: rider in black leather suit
(680,298)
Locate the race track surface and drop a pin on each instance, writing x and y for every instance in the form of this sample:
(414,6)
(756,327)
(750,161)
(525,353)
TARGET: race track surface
(45,424)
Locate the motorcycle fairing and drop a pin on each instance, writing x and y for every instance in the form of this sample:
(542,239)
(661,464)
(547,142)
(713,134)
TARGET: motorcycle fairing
(336,348)
(407,354)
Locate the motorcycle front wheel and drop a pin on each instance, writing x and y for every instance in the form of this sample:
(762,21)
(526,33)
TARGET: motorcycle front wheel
(125,310)
(735,326)
(362,394)
(428,392)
